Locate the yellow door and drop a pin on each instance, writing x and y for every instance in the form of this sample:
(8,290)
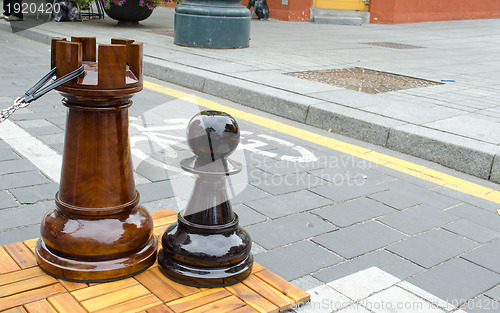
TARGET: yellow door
(352,5)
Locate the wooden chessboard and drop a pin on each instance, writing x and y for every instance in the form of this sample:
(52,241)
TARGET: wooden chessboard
(24,287)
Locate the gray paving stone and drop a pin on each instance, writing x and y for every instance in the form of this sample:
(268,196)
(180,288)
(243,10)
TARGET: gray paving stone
(155,191)
(469,126)
(174,203)
(444,281)
(289,203)
(7,154)
(153,173)
(477,215)
(250,193)
(468,199)
(352,173)
(282,167)
(348,190)
(289,183)
(482,305)
(396,199)
(4,145)
(24,215)
(415,113)
(58,147)
(6,200)
(352,212)
(289,229)
(432,248)
(426,196)
(486,256)
(19,234)
(34,123)
(255,159)
(359,239)
(494,293)
(33,194)
(16,166)
(248,216)
(256,175)
(297,260)
(472,230)
(384,260)
(23,179)
(256,249)
(41,131)
(307,282)
(418,219)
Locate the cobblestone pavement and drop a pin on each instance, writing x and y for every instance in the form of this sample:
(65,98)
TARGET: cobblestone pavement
(319,213)
(455,123)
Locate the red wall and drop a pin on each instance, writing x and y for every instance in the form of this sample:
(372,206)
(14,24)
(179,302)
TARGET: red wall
(412,11)
(296,10)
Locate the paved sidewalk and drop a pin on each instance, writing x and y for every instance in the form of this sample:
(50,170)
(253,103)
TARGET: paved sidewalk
(455,124)
(334,224)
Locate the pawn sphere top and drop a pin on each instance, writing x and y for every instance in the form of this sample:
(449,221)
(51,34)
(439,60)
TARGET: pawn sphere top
(213,135)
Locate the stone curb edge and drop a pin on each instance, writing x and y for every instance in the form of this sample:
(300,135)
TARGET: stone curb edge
(466,155)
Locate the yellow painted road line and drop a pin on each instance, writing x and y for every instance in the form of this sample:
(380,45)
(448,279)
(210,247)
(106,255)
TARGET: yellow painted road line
(403,166)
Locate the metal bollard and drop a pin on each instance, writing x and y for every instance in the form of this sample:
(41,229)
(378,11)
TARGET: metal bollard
(206,247)
(97,231)
(212,24)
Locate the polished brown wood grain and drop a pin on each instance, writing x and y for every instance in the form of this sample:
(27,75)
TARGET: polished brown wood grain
(32,290)
(98,231)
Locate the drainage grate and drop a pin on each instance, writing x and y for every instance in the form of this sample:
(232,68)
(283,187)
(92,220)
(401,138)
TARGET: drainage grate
(164,32)
(364,80)
(393,45)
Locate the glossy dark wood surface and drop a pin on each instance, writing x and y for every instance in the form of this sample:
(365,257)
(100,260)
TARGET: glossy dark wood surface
(206,247)
(97,231)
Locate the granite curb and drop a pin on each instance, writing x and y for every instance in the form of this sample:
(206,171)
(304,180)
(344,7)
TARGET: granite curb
(467,155)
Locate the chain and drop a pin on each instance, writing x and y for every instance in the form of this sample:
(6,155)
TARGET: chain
(39,89)
(19,103)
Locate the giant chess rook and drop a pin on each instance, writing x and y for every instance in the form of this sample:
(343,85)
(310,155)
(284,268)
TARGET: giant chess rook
(97,231)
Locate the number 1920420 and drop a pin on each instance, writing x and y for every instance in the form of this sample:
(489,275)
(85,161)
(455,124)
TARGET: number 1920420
(27,8)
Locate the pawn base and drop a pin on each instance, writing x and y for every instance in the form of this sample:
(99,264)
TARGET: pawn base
(205,277)
(206,256)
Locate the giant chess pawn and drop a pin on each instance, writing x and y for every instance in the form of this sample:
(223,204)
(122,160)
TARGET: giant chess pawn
(206,247)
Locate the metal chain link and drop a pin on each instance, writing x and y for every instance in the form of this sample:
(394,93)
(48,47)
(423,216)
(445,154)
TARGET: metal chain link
(37,91)
(19,103)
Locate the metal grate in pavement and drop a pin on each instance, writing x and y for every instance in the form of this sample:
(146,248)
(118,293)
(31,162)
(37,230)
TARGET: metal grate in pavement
(393,45)
(364,80)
